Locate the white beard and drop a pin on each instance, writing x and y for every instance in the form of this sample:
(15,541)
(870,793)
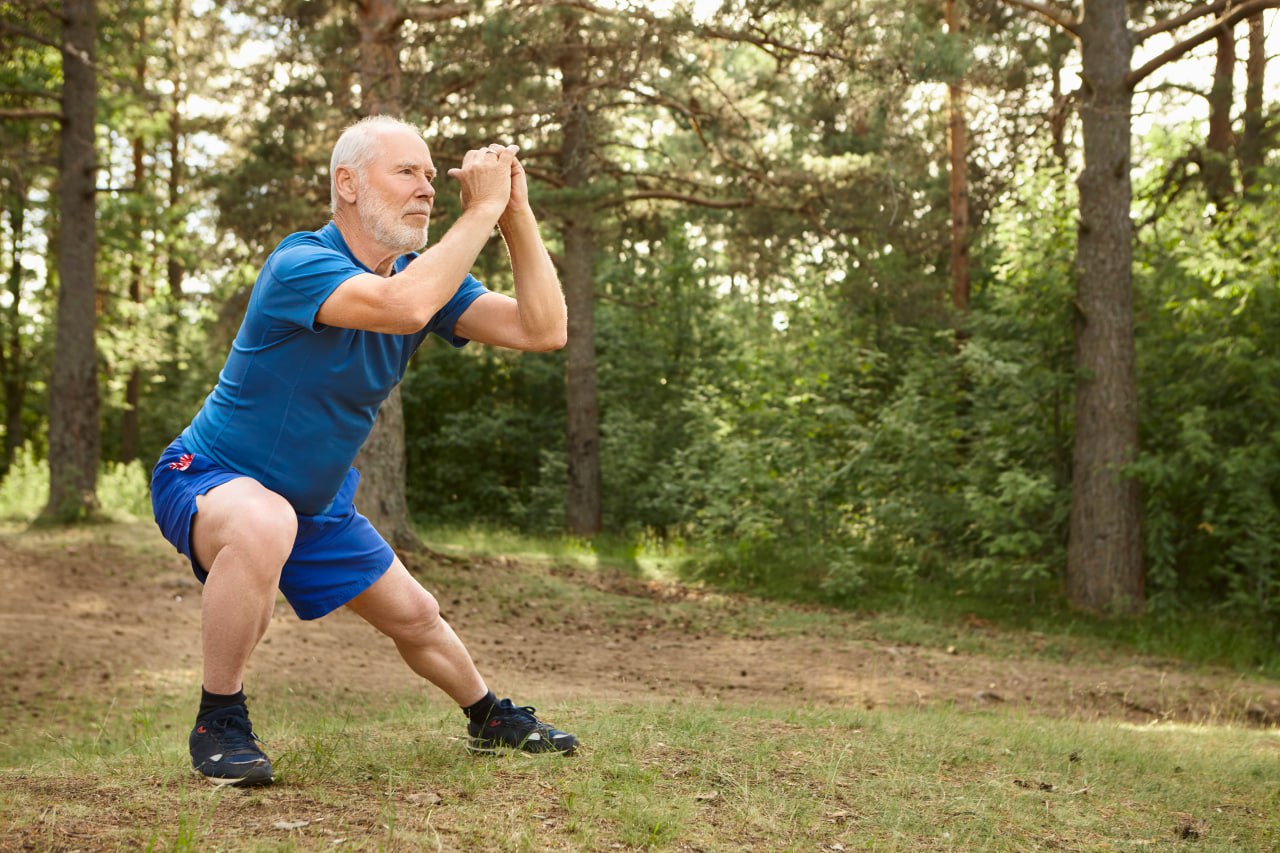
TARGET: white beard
(388,226)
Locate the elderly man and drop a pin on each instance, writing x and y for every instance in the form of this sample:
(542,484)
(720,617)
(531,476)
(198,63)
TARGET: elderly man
(257,491)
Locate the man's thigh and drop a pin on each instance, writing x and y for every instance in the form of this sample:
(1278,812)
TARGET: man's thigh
(179,483)
(334,559)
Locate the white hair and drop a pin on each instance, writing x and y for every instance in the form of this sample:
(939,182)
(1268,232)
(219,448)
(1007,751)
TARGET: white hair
(356,147)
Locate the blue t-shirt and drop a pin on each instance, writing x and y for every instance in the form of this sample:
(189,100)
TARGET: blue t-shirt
(297,398)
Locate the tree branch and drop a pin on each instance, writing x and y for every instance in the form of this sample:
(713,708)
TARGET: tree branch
(28,34)
(764,41)
(1057,16)
(630,11)
(1214,8)
(1182,48)
(698,201)
(423,14)
(1177,87)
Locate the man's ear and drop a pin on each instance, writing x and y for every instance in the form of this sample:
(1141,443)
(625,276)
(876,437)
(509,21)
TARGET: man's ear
(344,178)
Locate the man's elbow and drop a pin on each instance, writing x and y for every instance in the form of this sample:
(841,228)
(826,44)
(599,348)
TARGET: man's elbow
(407,322)
(403,314)
(552,342)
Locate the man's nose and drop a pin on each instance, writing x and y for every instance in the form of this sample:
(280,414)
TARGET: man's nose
(425,189)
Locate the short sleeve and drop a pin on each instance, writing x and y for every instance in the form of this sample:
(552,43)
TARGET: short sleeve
(447,317)
(302,275)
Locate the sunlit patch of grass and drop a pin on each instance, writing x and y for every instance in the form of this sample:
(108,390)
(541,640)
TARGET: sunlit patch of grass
(645,556)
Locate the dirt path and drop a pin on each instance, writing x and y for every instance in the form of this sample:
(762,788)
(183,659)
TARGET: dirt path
(114,607)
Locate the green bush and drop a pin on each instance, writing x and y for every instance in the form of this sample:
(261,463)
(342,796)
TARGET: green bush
(123,489)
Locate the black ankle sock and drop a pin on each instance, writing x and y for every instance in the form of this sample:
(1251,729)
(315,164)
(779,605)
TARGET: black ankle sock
(479,712)
(210,702)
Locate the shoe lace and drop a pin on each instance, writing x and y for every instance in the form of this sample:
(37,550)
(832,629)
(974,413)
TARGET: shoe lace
(234,731)
(522,712)
(506,708)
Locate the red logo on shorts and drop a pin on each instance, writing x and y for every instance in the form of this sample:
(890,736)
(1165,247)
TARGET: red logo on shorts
(183,463)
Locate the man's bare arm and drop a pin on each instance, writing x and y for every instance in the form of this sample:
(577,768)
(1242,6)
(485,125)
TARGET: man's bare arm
(404,303)
(536,319)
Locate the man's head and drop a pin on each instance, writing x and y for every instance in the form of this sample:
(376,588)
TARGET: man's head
(381,170)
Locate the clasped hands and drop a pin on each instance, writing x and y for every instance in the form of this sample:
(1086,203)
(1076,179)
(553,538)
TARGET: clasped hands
(492,180)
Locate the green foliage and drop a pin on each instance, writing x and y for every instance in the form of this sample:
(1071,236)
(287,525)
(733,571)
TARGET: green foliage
(24,491)
(1210,370)
(123,488)
(781,388)
(479,424)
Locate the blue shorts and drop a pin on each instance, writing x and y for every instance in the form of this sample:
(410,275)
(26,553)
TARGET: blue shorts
(335,557)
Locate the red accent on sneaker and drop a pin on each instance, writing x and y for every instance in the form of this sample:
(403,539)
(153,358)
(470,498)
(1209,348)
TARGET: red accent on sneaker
(183,463)
(201,729)
(495,723)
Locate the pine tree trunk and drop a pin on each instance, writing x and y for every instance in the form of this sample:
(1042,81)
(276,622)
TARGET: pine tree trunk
(74,431)
(12,360)
(1060,45)
(1217,164)
(583,499)
(379,22)
(129,426)
(1104,558)
(381,496)
(173,263)
(383,471)
(957,153)
(1251,150)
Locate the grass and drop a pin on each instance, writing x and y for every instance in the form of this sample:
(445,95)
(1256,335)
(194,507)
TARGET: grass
(368,771)
(917,612)
(392,775)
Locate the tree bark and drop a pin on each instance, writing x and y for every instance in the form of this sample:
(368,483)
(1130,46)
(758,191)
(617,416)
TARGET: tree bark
(129,427)
(129,422)
(74,431)
(1218,180)
(379,22)
(957,154)
(173,262)
(1104,557)
(1251,149)
(1059,46)
(12,361)
(583,499)
(383,469)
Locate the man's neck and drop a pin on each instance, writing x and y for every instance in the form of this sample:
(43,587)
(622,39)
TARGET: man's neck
(366,249)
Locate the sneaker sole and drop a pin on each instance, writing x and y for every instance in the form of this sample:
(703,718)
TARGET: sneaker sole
(480,748)
(247,781)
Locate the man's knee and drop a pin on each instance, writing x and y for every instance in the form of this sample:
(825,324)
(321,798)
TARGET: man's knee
(256,525)
(419,622)
(268,527)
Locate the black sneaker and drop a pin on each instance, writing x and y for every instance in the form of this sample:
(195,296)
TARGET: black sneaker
(225,750)
(514,727)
